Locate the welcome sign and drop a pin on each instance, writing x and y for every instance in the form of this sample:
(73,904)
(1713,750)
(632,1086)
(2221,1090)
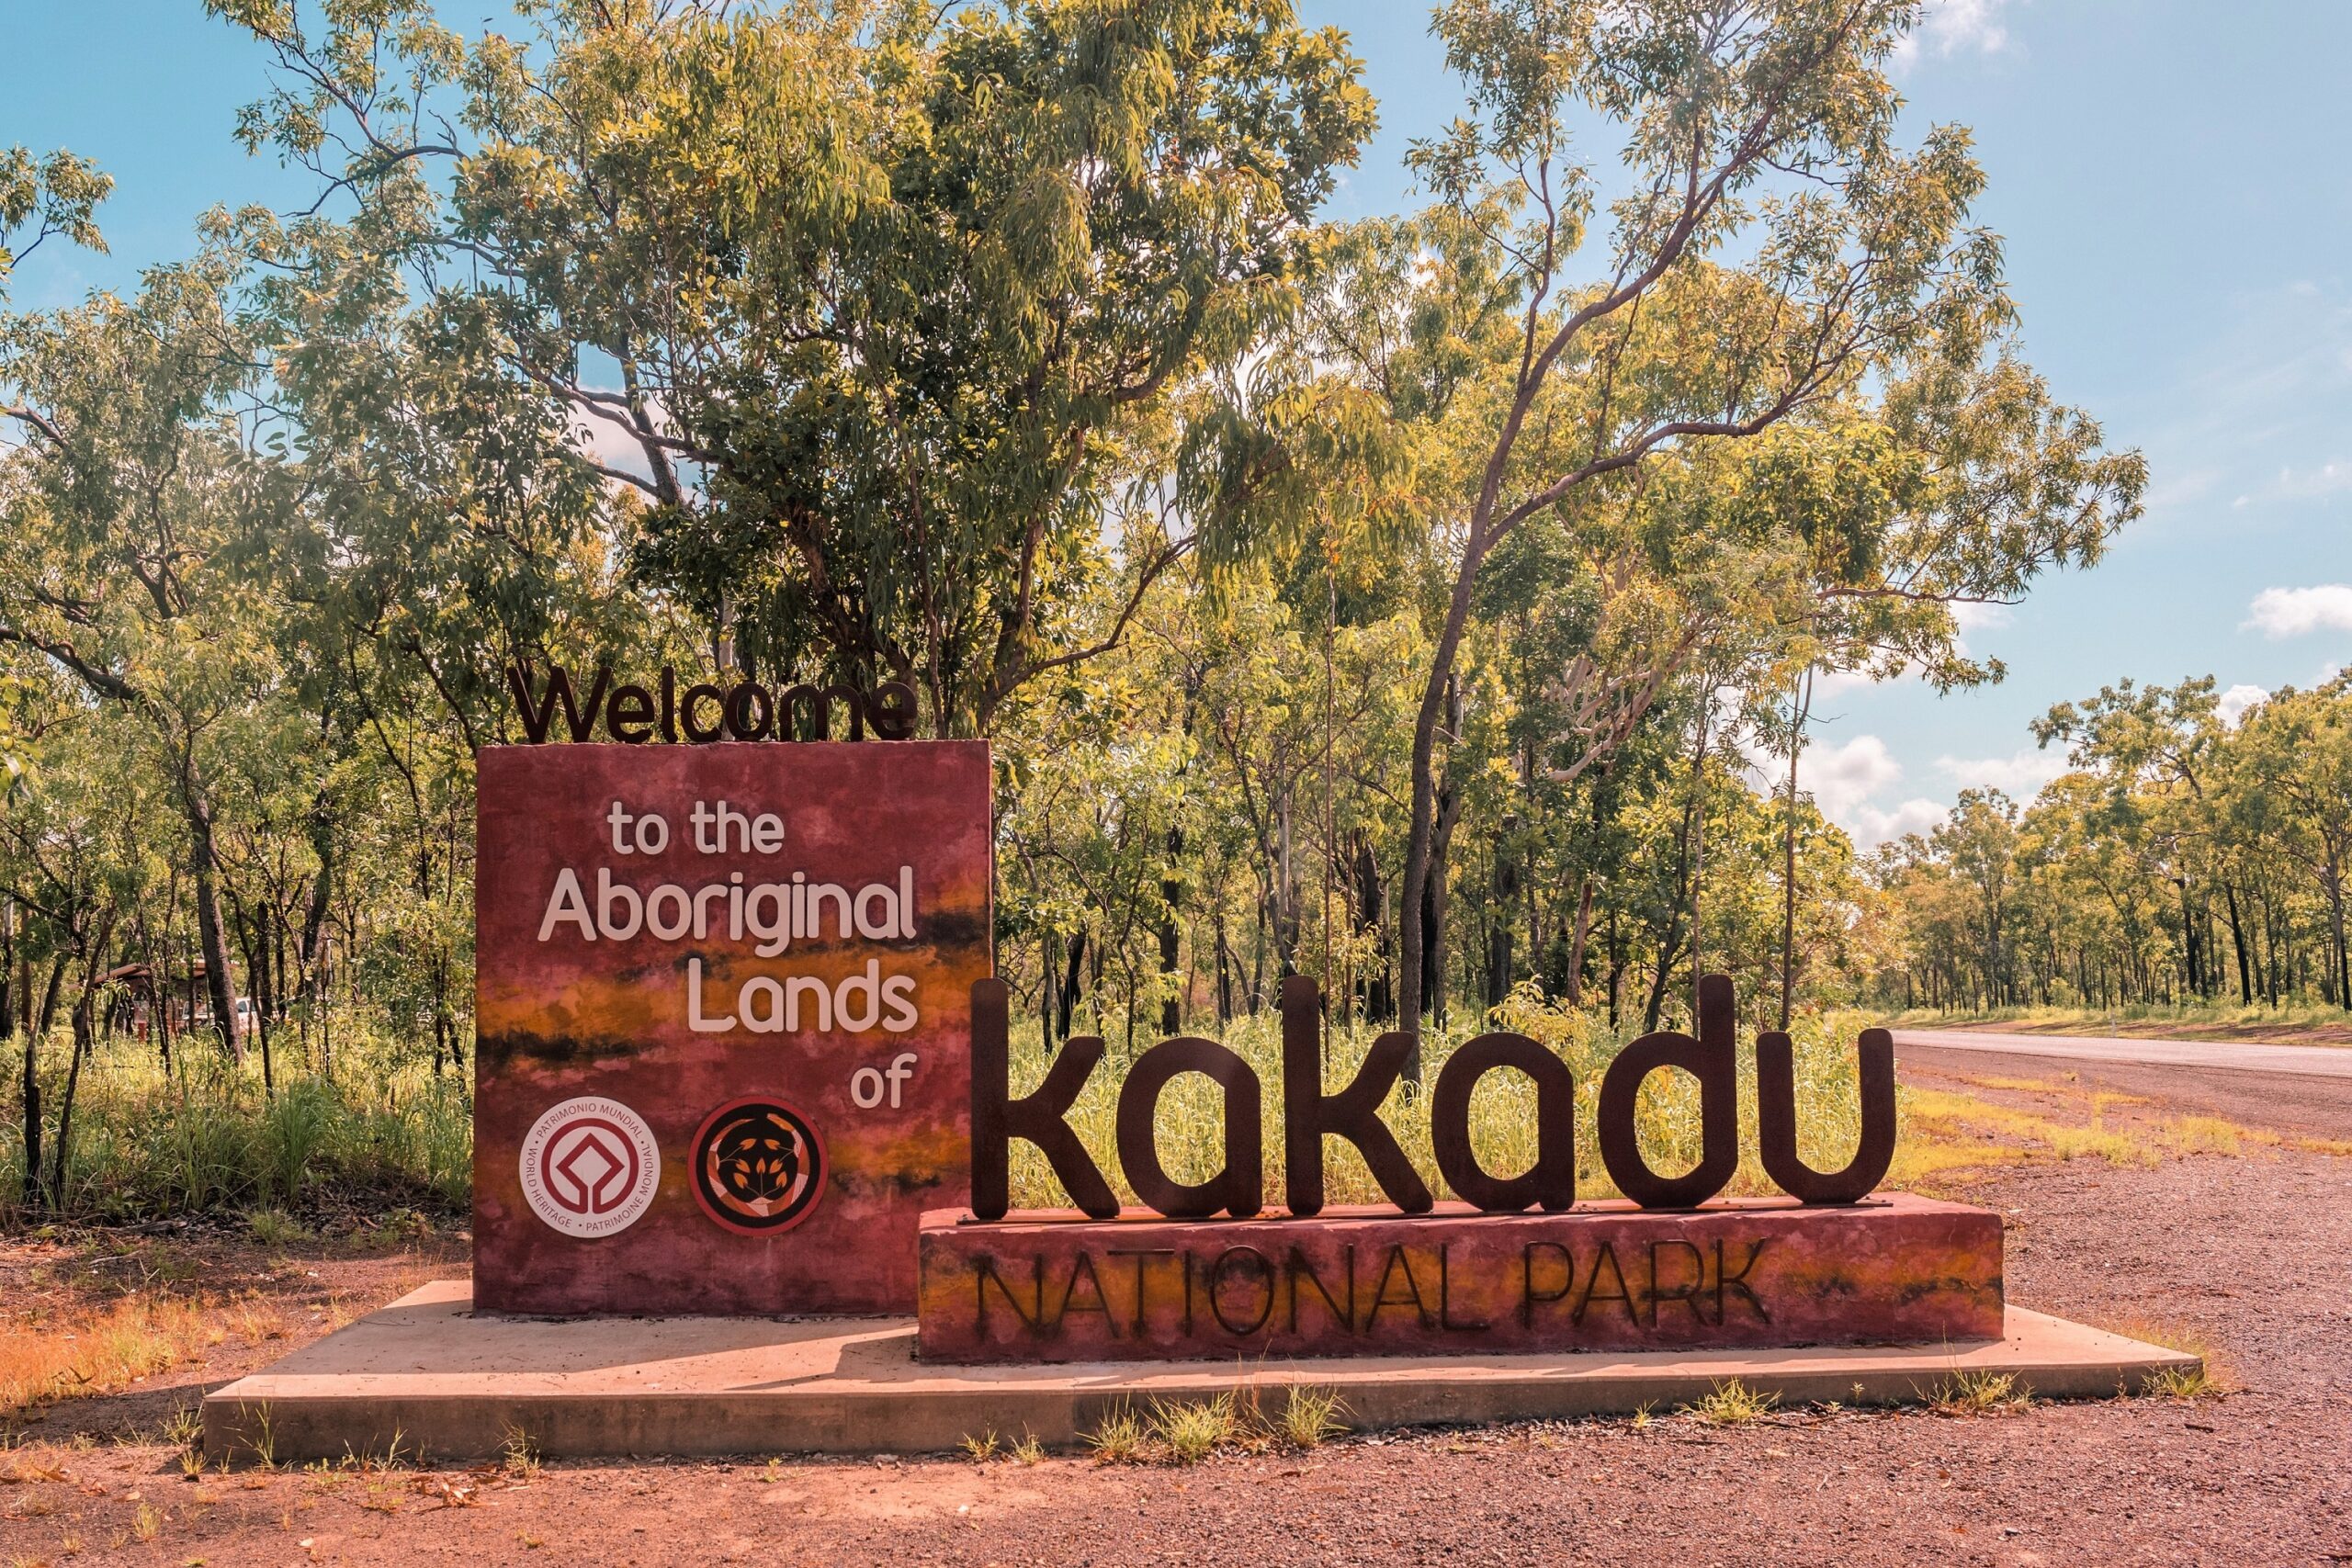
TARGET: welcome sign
(724,1021)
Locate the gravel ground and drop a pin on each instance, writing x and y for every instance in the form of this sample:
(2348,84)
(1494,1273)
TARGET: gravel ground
(2299,1104)
(2250,1257)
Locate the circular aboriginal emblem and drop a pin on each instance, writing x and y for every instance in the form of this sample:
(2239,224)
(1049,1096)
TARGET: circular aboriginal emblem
(759,1166)
(590,1167)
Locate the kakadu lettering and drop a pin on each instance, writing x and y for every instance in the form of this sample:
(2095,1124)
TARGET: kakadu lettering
(1353,1114)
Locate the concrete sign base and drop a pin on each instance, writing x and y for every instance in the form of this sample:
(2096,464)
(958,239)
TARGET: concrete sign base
(448,1385)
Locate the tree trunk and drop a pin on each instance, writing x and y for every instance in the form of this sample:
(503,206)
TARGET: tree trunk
(1574,985)
(1372,916)
(258,974)
(1699,831)
(1068,998)
(46,1017)
(1258,958)
(32,1121)
(1048,975)
(1440,698)
(1505,888)
(314,917)
(93,957)
(1225,966)
(1435,898)
(1172,890)
(1789,866)
(1285,895)
(2335,925)
(1670,948)
(1616,966)
(1669,942)
(204,865)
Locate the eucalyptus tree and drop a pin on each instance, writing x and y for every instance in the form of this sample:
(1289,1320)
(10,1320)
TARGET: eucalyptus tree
(53,196)
(867,301)
(1764,132)
(2298,749)
(2157,749)
(422,523)
(119,520)
(78,854)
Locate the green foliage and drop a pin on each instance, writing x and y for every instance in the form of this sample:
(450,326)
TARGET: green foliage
(384,1132)
(1399,603)
(2183,863)
(54,195)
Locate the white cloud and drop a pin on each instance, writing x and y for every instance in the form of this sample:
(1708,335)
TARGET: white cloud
(2300,484)
(2236,700)
(1970,617)
(2280,613)
(1842,777)
(2019,775)
(1830,684)
(1869,826)
(1950,27)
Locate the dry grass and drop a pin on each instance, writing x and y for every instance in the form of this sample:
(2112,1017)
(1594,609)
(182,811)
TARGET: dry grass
(2178,1383)
(2339,1148)
(106,1352)
(1949,1131)
(1732,1404)
(1978,1393)
(1120,1438)
(1191,1430)
(1186,1432)
(521,1456)
(2022,1085)
(1310,1415)
(2211,1374)
(208,1137)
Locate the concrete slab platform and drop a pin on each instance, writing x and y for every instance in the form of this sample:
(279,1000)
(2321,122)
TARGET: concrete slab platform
(430,1375)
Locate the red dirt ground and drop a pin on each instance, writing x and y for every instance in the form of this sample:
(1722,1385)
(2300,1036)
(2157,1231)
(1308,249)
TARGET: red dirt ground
(2250,1256)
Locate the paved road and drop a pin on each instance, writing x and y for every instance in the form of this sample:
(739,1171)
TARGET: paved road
(2316,1061)
(2299,1090)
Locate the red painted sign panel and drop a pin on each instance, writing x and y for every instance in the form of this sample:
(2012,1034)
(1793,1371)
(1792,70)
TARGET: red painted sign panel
(1049,1286)
(724,1020)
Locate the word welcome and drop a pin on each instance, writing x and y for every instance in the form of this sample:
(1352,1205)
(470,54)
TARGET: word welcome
(1353,1114)
(701,713)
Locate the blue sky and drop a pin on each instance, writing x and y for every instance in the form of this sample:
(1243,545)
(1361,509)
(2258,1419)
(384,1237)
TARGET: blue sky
(2177,210)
